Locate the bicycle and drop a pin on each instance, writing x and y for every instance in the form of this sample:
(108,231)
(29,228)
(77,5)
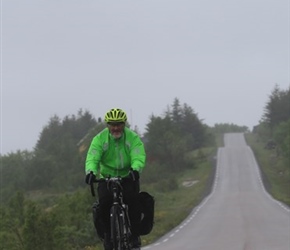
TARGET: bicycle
(119,217)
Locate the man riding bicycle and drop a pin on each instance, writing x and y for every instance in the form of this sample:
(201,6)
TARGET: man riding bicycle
(117,151)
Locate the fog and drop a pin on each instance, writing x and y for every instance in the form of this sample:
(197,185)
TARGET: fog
(222,58)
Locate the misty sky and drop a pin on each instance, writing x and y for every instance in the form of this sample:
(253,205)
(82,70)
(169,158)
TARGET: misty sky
(223,58)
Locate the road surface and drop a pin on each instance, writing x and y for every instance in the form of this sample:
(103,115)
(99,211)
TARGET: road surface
(238,214)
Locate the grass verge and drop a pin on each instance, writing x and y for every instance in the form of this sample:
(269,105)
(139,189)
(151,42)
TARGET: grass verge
(275,173)
(172,207)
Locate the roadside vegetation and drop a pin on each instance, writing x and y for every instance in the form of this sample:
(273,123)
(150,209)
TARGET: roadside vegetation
(270,141)
(45,203)
(274,168)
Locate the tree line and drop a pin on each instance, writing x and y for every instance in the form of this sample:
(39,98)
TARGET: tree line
(274,125)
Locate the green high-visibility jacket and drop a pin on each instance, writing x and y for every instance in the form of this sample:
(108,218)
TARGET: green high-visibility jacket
(108,156)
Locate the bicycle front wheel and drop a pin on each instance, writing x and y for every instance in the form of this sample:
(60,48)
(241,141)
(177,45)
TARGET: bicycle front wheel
(116,228)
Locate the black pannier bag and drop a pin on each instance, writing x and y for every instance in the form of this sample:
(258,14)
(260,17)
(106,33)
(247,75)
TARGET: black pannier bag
(98,223)
(147,212)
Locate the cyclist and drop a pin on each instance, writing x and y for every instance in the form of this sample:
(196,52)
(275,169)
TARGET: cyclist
(117,151)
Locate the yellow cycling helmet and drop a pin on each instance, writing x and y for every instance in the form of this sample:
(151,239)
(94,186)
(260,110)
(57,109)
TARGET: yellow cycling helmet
(116,115)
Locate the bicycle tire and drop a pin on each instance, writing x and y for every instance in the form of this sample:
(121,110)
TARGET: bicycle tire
(116,228)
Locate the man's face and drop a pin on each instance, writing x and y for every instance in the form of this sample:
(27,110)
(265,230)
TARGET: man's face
(116,129)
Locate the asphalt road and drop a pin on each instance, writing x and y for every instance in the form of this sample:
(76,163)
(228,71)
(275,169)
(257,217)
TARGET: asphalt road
(238,214)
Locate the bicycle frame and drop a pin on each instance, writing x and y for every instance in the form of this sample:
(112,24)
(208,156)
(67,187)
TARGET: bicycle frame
(119,218)
(120,222)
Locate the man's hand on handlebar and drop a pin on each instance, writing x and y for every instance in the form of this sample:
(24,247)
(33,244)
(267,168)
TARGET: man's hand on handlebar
(90,178)
(134,175)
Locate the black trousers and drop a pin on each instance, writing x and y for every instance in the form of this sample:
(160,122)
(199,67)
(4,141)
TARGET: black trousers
(131,198)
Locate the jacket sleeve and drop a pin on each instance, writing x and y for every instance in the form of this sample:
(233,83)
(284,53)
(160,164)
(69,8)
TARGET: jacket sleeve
(138,155)
(94,155)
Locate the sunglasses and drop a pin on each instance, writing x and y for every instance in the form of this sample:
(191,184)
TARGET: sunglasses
(117,124)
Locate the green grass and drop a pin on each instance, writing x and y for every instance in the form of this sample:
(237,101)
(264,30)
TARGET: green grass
(172,207)
(275,172)
(220,140)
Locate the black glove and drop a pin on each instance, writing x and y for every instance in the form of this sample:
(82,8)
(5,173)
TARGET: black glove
(134,175)
(90,178)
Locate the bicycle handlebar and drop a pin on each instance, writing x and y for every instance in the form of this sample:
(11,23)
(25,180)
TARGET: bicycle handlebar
(107,179)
